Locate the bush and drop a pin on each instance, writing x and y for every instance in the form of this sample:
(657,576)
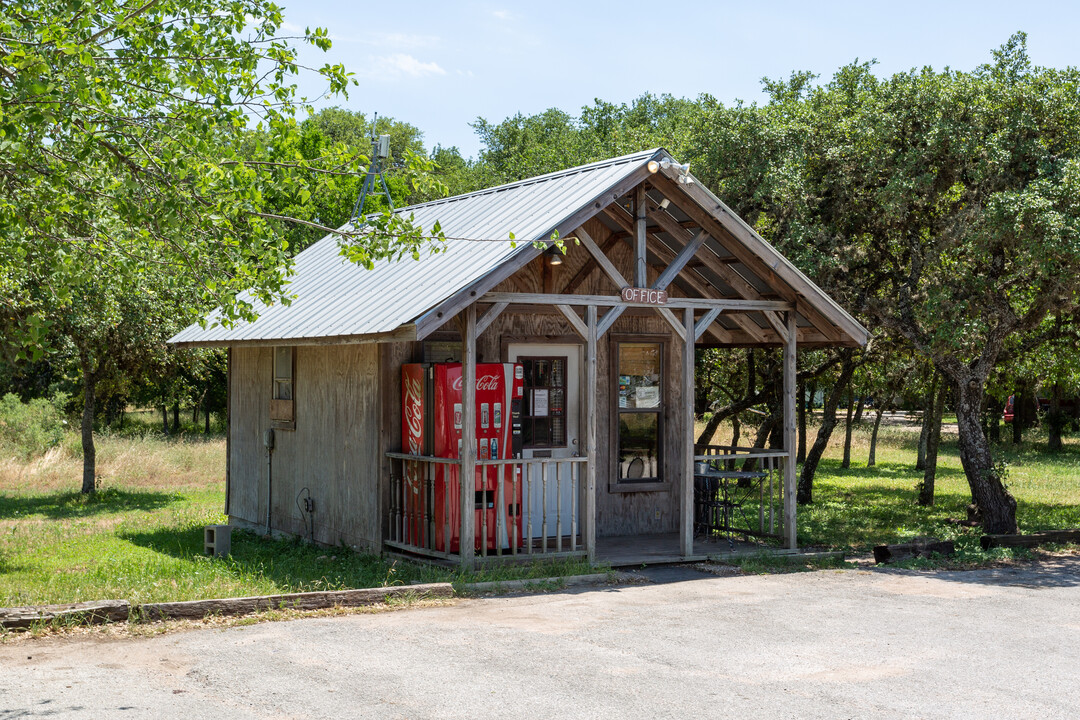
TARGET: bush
(30,429)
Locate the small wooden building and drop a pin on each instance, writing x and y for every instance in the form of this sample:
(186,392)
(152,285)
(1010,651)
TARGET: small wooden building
(655,265)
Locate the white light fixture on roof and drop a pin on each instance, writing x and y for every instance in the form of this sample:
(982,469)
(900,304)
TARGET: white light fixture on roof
(683,178)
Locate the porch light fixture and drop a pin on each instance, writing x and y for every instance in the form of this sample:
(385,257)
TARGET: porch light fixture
(664,204)
(553,256)
(656,166)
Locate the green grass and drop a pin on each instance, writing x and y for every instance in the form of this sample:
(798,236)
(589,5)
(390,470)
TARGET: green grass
(860,507)
(140,537)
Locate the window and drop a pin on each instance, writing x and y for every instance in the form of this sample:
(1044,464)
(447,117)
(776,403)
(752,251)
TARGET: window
(543,409)
(640,411)
(283,368)
(282,407)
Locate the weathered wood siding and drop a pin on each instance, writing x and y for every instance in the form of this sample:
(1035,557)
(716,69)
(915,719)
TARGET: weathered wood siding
(334,451)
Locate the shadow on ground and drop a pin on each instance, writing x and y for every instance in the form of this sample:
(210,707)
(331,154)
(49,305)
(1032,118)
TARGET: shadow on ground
(291,565)
(66,505)
(884,512)
(1044,573)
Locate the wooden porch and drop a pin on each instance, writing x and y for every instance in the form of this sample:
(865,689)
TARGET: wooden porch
(638,550)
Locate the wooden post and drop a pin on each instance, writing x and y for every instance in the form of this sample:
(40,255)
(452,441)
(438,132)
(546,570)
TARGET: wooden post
(228,428)
(789,430)
(468,439)
(588,507)
(640,276)
(686,523)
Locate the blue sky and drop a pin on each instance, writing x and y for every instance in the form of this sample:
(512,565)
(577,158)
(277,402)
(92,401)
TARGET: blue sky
(440,65)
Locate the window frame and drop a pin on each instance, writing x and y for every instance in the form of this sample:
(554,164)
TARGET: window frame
(661,483)
(282,410)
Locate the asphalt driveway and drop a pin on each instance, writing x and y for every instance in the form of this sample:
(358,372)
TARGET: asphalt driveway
(830,644)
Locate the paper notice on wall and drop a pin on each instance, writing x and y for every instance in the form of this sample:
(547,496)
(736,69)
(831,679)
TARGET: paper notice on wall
(647,397)
(540,403)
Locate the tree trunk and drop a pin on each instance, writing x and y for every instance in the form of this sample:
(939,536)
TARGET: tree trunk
(176,418)
(764,430)
(706,435)
(872,460)
(933,440)
(164,420)
(206,427)
(805,492)
(800,456)
(847,431)
(736,430)
(859,409)
(1055,420)
(89,451)
(996,505)
(924,434)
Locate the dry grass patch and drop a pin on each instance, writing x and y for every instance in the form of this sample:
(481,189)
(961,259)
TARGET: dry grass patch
(147,462)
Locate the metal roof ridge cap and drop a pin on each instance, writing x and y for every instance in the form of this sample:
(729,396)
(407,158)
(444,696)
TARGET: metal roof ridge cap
(593,199)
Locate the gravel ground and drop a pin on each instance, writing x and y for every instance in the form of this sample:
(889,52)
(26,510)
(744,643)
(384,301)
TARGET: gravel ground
(827,644)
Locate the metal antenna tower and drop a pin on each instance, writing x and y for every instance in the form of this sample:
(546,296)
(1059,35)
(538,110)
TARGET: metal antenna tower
(380,151)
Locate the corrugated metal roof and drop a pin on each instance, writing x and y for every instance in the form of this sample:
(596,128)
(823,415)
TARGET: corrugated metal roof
(336,298)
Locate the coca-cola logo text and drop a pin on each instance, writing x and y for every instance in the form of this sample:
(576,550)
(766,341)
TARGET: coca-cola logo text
(414,413)
(486,382)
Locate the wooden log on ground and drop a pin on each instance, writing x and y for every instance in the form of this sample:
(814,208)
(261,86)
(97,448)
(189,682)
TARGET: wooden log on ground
(916,548)
(197,609)
(98,611)
(1031,540)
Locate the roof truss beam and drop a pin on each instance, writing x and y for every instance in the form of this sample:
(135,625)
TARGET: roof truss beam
(602,259)
(679,262)
(734,245)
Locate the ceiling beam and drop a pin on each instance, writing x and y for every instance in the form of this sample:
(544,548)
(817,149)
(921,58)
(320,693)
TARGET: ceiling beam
(728,274)
(736,237)
(639,236)
(485,320)
(725,304)
(602,260)
(701,286)
(585,270)
(682,237)
(576,322)
(680,261)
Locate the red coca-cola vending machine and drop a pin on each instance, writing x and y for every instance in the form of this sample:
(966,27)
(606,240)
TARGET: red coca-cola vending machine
(431,425)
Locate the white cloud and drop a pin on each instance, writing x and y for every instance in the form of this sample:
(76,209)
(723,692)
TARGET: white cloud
(392,41)
(502,14)
(404,40)
(401,64)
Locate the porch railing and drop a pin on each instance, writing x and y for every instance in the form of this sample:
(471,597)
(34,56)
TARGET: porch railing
(522,507)
(736,486)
